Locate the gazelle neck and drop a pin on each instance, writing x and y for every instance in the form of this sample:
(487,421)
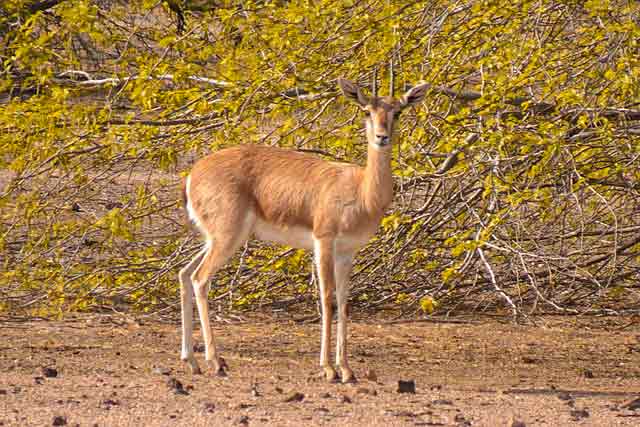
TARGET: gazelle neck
(377,188)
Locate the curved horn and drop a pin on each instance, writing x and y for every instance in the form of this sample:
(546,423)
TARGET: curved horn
(391,78)
(374,89)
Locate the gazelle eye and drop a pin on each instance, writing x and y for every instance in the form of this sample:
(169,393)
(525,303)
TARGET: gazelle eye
(367,113)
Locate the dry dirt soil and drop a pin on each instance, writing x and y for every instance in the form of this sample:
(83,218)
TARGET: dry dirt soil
(479,372)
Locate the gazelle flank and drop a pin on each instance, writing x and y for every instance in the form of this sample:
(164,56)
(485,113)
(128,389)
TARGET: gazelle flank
(294,199)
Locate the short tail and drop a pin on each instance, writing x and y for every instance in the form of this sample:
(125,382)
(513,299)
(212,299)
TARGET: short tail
(185,200)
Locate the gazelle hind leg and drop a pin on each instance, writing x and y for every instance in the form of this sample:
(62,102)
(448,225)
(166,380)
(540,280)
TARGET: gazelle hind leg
(224,245)
(186,299)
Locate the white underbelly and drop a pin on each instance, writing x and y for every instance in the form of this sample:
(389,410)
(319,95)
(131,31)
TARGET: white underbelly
(294,236)
(302,237)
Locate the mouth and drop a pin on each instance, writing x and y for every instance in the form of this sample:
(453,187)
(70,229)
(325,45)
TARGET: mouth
(382,143)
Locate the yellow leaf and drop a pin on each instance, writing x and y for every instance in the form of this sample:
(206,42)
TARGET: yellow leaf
(428,304)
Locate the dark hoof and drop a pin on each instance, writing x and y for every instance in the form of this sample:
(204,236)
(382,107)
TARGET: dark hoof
(350,380)
(219,367)
(330,374)
(193,365)
(347,376)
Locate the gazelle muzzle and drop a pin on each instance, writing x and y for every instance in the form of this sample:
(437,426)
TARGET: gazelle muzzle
(382,140)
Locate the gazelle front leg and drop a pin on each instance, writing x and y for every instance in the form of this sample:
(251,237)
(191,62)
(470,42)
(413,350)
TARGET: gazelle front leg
(343,265)
(324,256)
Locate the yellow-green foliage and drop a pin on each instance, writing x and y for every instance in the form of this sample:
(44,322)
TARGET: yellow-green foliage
(105,104)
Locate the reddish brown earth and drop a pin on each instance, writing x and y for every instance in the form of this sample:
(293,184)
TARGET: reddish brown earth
(561,372)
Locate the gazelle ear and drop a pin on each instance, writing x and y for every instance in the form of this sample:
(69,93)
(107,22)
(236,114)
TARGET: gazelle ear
(415,95)
(352,92)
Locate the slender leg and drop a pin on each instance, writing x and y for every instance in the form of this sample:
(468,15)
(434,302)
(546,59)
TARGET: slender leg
(344,263)
(186,299)
(217,255)
(324,249)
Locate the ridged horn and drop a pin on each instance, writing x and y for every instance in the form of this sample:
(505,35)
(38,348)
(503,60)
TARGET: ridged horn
(374,82)
(391,78)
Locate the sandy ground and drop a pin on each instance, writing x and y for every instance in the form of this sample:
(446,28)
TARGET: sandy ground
(484,372)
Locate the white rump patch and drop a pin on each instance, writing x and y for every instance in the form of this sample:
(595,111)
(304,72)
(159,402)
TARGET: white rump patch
(190,211)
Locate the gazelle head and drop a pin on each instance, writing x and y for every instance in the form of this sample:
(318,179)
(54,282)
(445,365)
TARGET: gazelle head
(382,113)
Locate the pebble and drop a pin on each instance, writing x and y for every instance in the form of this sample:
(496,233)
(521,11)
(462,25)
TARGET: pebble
(50,372)
(294,397)
(406,386)
(59,420)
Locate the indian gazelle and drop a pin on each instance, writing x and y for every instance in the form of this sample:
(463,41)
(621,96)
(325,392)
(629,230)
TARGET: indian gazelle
(295,199)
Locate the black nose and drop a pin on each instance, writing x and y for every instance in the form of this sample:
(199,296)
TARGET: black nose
(383,139)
